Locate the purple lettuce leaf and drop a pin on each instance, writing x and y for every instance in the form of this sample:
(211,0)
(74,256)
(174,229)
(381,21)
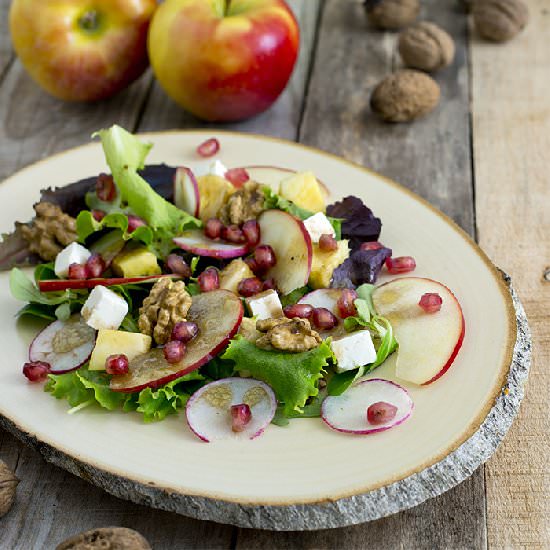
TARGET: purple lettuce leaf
(359,223)
(363,266)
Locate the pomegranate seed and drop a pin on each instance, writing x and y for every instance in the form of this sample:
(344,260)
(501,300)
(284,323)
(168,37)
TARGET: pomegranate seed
(249,286)
(117,364)
(36,371)
(98,215)
(184,331)
(374,245)
(345,305)
(233,234)
(95,266)
(209,279)
(430,302)
(237,176)
(240,416)
(213,228)
(304,311)
(105,188)
(265,257)
(176,264)
(77,271)
(381,412)
(269,284)
(251,231)
(323,318)
(401,264)
(327,243)
(208,148)
(174,351)
(252,264)
(134,222)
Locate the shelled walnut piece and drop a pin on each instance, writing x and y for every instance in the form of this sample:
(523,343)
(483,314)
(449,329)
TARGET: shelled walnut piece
(500,20)
(404,96)
(8,486)
(50,231)
(284,334)
(167,304)
(106,538)
(392,14)
(426,46)
(245,204)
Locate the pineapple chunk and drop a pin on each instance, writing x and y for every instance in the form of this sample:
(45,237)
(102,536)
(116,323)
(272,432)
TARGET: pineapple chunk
(304,190)
(233,273)
(114,342)
(213,192)
(136,262)
(323,264)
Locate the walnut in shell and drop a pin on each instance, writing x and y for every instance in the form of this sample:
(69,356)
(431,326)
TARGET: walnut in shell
(8,486)
(404,96)
(426,46)
(392,14)
(106,538)
(500,20)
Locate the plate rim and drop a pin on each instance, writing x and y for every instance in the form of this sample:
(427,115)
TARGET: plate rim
(504,368)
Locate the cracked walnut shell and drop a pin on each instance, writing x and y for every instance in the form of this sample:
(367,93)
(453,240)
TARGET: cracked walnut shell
(392,14)
(8,486)
(500,20)
(284,334)
(426,46)
(167,304)
(106,538)
(404,96)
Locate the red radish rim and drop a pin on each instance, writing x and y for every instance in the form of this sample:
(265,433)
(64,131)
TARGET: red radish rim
(371,430)
(232,251)
(196,193)
(200,391)
(53,285)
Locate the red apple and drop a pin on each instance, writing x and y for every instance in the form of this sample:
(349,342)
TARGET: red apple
(82,50)
(223,60)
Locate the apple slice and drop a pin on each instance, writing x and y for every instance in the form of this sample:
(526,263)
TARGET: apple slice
(324,297)
(218,315)
(292,246)
(196,242)
(54,285)
(186,191)
(428,342)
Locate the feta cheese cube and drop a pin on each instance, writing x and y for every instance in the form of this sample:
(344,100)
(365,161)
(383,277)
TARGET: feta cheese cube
(104,309)
(318,225)
(265,305)
(216,168)
(72,254)
(354,350)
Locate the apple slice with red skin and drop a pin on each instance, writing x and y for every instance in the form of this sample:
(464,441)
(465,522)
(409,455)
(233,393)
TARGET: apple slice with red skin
(196,242)
(186,191)
(291,243)
(323,297)
(428,342)
(54,285)
(218,315)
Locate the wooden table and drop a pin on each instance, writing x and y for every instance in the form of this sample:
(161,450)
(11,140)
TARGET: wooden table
(481,158)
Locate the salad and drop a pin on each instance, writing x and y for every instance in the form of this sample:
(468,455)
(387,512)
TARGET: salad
(237,296)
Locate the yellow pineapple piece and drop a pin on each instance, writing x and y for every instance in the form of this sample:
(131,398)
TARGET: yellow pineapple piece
(214,192)
(324,263)
(233,273)
(114,342)
(136,262)
(304,190)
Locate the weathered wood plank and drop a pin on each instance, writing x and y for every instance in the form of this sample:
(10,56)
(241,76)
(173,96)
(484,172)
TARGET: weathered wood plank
(6,51)
(432,157)
(511,158)
(280,120)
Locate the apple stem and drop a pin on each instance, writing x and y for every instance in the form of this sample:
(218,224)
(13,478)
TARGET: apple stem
(227,6)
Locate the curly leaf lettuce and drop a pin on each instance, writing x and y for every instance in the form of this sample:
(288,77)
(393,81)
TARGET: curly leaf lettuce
(293,376)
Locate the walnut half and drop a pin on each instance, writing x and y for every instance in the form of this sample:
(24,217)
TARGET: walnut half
(294,335)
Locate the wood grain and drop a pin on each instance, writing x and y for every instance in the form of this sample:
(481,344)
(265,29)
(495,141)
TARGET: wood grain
(511,159)
(432,157)
(6,51)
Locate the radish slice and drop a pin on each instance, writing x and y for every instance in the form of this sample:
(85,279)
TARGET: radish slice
(324,297)
(348,412)
(53,285)
(186,191)
(64,345)
(209,412)
(196,242)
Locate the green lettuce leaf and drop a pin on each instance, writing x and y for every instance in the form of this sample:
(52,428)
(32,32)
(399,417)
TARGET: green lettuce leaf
(86,225)
(293,376)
